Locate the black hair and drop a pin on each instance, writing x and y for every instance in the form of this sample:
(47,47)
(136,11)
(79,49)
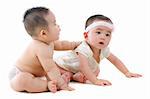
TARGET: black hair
(91,19)
(34,18)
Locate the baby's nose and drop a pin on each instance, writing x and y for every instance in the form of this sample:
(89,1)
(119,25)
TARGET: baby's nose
(102,36)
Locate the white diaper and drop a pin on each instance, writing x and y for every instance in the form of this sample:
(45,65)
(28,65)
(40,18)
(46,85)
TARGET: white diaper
(13,72)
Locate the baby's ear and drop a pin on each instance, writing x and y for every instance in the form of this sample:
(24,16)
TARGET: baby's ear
(85,34)
(43,32)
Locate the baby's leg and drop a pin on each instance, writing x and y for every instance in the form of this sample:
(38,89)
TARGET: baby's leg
(79,77)
(24,81)
(66,75)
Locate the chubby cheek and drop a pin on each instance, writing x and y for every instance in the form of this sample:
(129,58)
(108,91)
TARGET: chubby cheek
(107,41)
(92,40)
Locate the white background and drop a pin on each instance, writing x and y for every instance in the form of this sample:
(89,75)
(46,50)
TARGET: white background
(130,42)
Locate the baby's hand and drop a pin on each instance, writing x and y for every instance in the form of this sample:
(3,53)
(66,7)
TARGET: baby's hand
(102,82)
(130,75)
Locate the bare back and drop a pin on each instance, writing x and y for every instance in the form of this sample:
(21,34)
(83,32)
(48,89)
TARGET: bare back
(29,61)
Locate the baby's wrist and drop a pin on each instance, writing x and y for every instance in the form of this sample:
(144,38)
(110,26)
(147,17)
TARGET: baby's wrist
(96,81)
(127,73)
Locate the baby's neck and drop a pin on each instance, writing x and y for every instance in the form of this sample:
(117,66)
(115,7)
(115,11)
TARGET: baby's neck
(95,50)
(40,40)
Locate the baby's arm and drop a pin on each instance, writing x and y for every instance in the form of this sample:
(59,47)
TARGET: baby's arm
(44,55)
(119,65)
(54,74)
(97,71)
(65,45)
(85,69)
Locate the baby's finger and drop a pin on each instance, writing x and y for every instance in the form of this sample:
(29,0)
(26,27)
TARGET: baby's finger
(105,84)
(136,75)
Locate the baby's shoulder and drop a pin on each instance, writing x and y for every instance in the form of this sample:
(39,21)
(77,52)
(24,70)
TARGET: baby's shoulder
(84,49)
(105,52)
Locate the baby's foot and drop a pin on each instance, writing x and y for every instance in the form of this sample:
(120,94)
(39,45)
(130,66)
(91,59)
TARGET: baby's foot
(52,86)
(79,77)
(66,76)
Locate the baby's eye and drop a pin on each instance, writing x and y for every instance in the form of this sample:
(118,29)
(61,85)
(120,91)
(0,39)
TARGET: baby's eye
(107,34)
(98,32)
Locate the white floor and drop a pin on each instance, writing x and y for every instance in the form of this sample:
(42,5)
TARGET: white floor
(122,87)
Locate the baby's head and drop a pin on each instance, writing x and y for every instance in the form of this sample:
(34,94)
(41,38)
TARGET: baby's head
(98,30)
(40,24)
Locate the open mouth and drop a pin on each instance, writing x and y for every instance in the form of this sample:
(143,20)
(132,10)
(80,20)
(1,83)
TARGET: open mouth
(102,43)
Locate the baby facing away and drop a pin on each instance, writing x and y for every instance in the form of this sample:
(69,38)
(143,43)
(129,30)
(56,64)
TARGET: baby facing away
(37,60)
